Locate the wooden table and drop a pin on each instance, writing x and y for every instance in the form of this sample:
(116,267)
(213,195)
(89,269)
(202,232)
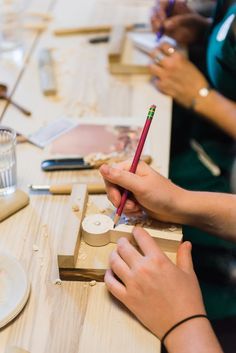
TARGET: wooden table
(73,317)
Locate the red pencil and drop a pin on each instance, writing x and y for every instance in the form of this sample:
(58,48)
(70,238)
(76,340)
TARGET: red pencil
(135,161)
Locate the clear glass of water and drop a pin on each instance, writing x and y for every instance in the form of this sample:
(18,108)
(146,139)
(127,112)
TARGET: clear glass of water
(7,161)
(11,27)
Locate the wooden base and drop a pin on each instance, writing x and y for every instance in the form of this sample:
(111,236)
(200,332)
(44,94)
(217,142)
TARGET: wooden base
(79,261)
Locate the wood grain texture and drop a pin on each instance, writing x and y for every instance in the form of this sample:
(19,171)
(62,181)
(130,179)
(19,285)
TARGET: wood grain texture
(99,239)
(71,230)
(74,317)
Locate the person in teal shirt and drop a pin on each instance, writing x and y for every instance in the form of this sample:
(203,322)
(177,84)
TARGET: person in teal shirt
(204,112)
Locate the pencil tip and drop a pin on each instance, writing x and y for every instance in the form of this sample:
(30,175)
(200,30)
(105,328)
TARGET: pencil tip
(114,226)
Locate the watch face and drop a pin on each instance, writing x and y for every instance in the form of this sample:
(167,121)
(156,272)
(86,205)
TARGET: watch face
(204,92)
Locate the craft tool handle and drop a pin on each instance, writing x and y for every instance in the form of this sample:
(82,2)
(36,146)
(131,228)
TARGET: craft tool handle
(65,189)
(22,109)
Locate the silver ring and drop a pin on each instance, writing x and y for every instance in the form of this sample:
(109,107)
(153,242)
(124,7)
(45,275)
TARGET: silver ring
(159,57)
(171,50)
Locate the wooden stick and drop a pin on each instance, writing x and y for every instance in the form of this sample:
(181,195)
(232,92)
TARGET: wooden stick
(116,44)
(71,231)
(97,29)
(82,30)
(66,189)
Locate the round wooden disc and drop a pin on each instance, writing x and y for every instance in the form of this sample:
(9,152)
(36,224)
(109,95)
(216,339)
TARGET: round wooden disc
(96,229)
(97,224)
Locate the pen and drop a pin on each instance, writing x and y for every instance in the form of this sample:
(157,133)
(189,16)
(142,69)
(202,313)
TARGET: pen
(136,159)
(169,10)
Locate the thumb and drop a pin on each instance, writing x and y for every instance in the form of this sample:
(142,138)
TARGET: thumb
(184,257)
(123,178)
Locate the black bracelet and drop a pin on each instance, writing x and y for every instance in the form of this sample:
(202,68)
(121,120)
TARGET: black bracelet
(180,323)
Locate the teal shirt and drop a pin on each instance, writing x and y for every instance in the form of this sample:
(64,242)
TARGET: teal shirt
(187,171)
(221,51)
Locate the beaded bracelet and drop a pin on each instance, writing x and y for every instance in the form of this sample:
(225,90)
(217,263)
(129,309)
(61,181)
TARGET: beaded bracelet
(180,323)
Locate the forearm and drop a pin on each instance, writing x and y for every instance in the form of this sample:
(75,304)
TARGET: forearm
(219,110)
(193,337)
(211,212)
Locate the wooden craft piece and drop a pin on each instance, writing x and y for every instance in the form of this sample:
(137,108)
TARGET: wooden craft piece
(117,39)
(120,48)
(12,203)
(96,229)
(71,231)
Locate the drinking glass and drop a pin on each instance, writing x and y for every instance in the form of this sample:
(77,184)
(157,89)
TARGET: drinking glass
(11,13)
(7,161)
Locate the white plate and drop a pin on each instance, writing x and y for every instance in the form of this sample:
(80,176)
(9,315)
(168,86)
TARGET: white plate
(14,288)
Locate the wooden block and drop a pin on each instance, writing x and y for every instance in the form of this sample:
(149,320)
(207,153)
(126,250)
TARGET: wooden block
(79,261)
(12,203)
(120,55)
(116,44)
(125,69)
(71,231)
(97,230)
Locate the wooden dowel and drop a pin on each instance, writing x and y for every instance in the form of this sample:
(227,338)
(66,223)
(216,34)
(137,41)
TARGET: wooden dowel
(66,189)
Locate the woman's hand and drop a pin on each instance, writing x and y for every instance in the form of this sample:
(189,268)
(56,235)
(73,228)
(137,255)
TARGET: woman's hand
(176,76)
(158,293)
(159,12)
(184,25)
(158,196)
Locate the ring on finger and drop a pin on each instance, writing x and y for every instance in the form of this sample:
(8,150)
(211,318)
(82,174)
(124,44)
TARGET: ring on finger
(159,57)
(170,50)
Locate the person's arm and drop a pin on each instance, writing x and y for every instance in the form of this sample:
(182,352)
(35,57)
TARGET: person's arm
(212,212)
(219,110)
(178,77)
(161,294)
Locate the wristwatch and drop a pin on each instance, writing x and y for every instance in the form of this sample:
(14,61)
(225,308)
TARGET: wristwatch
(203,92)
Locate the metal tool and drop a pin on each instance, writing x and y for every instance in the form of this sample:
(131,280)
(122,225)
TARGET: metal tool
(50,165)
(4,95)
(64,189)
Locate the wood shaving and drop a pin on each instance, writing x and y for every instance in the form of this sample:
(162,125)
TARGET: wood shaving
(82,256)
(92,283)
(57,281)
(172,229)
(75,208)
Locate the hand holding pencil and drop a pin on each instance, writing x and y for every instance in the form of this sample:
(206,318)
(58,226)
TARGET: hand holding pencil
(135,161)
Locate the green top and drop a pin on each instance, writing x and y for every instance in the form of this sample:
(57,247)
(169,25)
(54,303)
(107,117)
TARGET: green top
(221,51)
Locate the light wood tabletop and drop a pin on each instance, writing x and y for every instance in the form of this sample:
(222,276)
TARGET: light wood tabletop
(73,317)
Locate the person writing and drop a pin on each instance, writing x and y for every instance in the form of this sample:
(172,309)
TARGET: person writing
(160,294)
(204,113)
